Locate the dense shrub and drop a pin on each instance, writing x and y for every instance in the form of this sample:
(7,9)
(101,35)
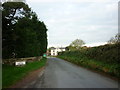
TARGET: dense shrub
(104,58)
(106,53)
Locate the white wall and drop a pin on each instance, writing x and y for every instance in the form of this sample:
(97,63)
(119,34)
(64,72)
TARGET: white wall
(54,52)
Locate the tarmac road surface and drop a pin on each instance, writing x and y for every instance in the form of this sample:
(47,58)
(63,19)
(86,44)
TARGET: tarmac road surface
(62,74)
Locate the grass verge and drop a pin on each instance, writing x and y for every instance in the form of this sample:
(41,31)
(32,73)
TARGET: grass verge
(111,69)
(11,74)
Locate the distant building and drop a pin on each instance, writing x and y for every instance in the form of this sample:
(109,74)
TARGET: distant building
(55,51)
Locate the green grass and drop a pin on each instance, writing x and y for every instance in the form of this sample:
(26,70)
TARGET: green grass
(11,74)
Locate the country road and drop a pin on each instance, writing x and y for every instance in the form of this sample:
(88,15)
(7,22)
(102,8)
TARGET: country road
(62,74)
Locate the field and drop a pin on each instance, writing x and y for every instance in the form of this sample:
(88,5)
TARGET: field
(103,58)
(11,74)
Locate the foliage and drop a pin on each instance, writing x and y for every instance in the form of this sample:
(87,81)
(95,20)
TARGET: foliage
(23,34)
(76,44)
(107,53)
(115,39)
(104,58)
(12,74)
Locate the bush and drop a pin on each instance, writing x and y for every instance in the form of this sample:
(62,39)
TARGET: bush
(104,58)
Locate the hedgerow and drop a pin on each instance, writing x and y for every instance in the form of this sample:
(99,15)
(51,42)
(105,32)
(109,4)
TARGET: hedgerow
(103,58)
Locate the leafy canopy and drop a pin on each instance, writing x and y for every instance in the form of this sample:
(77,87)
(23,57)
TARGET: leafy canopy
(76,44)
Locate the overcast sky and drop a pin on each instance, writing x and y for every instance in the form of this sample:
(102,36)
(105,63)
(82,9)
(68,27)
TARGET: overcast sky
(93,21)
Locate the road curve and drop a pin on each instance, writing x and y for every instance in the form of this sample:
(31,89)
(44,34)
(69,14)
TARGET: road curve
(62,74)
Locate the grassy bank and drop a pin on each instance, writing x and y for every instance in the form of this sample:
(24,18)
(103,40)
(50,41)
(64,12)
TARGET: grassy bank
(102,58)
(12,74)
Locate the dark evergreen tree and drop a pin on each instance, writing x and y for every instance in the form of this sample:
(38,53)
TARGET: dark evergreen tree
(23,34)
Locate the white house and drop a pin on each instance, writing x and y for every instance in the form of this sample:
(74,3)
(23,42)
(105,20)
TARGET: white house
(55,51)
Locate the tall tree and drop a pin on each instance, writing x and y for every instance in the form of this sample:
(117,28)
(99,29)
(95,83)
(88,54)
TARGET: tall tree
(11,13)
(32,38)
(76,44)
(23,34)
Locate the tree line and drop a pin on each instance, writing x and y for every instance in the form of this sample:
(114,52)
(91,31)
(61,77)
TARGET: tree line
(77,44)
(23,34)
